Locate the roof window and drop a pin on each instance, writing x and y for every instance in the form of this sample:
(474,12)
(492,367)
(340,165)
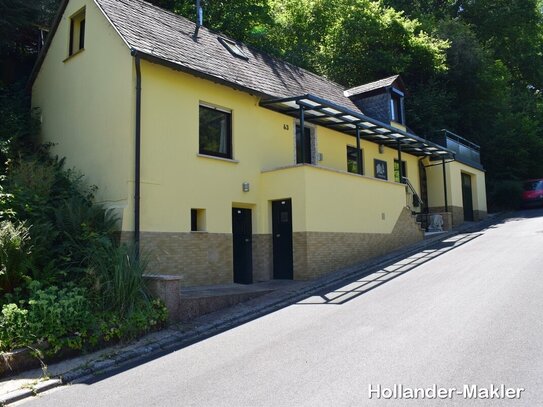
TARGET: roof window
(233,48)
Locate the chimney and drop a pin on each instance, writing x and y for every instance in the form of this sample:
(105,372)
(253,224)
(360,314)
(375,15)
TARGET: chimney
(199,17)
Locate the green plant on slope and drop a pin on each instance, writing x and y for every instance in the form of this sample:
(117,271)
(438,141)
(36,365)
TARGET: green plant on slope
(14,249)
(59,316)
(116,275)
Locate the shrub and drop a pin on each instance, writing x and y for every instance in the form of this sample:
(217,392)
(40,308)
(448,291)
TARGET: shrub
(62,317)
(14,249)
(116,274)
(505,195)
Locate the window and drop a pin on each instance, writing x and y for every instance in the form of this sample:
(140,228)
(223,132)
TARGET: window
(77,32)
(396,107)
(304,153)
(197,220)
(397,170)
(352,160)
(233,48)
(215,132)
(380,169)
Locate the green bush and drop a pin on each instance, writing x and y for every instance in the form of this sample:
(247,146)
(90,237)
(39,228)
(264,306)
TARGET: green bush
(76,287)
(116,276)
(14,252)
(505,195)
(65,318)
(60,316)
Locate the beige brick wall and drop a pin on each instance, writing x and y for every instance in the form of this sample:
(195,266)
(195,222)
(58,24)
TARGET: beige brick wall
(262,258)
(457,213)
(206,258)
(480,215)
(317,253)
(199,258)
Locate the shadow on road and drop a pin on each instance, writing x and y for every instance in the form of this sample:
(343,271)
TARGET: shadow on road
(352,290)
(524,214)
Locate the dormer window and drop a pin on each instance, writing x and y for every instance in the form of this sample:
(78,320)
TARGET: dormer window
(396,106)
(77,32)
(233,48)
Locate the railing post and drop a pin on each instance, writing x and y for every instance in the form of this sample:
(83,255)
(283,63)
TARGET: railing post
(358,152)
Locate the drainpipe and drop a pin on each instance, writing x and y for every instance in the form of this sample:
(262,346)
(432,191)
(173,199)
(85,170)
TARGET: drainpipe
(445,184)
(137,167)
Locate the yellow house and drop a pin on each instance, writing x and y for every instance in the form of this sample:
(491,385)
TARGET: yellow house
(195,142)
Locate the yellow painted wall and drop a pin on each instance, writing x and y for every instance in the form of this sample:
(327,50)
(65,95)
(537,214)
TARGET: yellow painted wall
(86,104)
(454,185)
(325,200)
(333,146)
(175,178)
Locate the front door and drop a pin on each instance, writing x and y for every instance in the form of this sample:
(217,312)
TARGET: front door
(283,265)
(467,197)
(242,233)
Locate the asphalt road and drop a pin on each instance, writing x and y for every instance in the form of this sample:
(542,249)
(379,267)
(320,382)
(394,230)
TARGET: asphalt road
(466,314)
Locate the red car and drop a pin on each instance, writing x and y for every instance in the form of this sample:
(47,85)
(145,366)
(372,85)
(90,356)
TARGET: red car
(533,192)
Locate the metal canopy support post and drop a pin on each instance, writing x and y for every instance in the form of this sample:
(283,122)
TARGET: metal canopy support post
(400,171)
(445,184)
(358,152)
(302,133)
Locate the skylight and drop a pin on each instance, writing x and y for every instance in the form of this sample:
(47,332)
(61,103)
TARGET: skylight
(233,48)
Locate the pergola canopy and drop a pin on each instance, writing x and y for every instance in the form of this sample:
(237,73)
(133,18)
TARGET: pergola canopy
(324,113)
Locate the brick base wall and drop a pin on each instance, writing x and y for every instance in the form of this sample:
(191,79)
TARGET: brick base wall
(199,258)
(206,258)
(317,253)
(458,214)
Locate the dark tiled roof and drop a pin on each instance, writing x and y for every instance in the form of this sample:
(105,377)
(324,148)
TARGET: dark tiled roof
(368,87)
(168,37)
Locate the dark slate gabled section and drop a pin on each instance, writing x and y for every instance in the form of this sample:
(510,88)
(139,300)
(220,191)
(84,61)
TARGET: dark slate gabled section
(374,98)
(375,105)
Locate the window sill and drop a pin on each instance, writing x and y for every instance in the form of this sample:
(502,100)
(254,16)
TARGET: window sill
(74,54)
(230,160)
(198,231)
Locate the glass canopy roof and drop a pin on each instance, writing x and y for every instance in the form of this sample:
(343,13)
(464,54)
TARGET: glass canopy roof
(328,114)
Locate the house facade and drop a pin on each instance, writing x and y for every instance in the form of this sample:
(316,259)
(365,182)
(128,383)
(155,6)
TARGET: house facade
(196,143)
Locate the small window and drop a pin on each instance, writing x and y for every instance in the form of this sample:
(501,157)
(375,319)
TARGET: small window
(396,106)
(352,160)
(77,32)
(397,170)
(380,169)
(197,220)
(215,132)
(233,48)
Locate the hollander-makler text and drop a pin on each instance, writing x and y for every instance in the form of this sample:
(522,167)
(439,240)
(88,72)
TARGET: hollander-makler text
(467,391)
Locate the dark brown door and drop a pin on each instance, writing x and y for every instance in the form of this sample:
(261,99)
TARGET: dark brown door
(283,265)
(467,197)
(242,234)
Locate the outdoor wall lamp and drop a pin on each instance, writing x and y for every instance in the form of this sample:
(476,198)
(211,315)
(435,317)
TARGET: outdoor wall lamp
(381,148)
(246,187)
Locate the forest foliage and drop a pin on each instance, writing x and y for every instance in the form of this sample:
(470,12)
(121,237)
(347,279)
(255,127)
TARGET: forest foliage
(474,67)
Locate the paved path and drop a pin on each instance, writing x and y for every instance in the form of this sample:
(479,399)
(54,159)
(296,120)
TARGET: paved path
(468,312)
